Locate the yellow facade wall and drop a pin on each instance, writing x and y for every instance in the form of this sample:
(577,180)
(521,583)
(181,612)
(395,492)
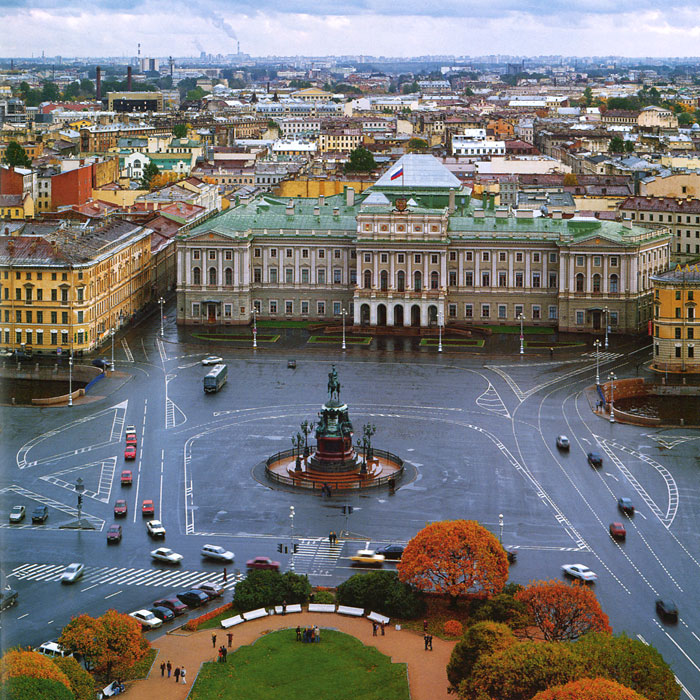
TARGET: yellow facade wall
(315,188)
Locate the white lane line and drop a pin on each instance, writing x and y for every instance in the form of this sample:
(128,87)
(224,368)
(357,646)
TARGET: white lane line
(50,622)
(160,493)
(94,585)
(23,616)
(111,595)
(678,646)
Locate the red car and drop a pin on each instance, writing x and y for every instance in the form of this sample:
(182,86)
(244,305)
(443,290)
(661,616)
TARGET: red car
(130,452)
(114,534)
(618,530)
(147,508)
(120,508)
(263,563)
(126,477)
(174,604)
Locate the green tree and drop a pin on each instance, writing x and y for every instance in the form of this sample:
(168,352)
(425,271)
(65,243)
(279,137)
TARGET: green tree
(629,146)
(81,682)
(71,91)
(502,608)
(361,161)
(468,92)
(382,592)
(588,96)
(265,588)
(50,92)
(685,118)
(416,144)
(180,131)
(616,145)
(195,94)
(27,688)
(87,87)
(149,172)
(16,156)
(410,88)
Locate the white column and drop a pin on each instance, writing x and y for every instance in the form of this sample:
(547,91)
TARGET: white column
(589,280)
(406,315)
(390,314)
(246,267)
(220,269)
(356,311)
(634,287)
(443,269)
(511,273)
(570,276)
(528,270)
(312,272)
(477,271)
(460,268)
(605,274)
(392,272)
(186,265)
(622,281)
(372,313)
(424,314)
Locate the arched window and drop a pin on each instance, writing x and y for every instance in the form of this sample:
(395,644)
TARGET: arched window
(417,286)
(212,275)
(196,275)
(228,276)
(613,284)
(368,279)
(579,282)
(384,280)
(434,280)
(596,283)
(401,281)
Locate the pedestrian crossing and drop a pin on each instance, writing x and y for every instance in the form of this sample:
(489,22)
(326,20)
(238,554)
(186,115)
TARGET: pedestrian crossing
(123,576)
(316,556)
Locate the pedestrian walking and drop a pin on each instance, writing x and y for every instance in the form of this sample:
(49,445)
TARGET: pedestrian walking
(425,626)
(298,633)
(318,635)
(221,655)
(183,673)
(177,674)
(169,667)
(551,352)
(162,670)
(430,642)
(284,607)
(213,641)
(374,629)
(225,575)
(382,628)
(425,641)
(224,652)
(230,639)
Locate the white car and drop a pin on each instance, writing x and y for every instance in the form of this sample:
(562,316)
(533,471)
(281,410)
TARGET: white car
(72,573)
(155,528)
(214,551)
(367,556)
(130,430)
(166,555)
(53,650)
(579,571)
(212,360)
(147,619)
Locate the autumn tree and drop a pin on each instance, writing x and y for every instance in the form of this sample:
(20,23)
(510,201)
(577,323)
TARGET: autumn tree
(111,644)
(521,670)
(563,611)
(503,607)
(483,638)
(17,663)
(149,172)
(456,558)
(589,689)
(416,145)
(81,682)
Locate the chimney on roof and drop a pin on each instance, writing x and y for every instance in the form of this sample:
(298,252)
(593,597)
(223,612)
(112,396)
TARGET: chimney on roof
(336,211)
(11,247)
(128,78)
(98,83)
(290,207)
(350,196)
(321,200)
(451,205)
(317,210)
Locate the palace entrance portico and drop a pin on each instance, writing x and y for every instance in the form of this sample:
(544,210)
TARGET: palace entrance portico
(386,311)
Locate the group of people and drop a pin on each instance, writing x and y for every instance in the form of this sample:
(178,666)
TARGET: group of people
(332,538)
(222,654)
(180,672)
(428,639)
(308,634)
(376,626)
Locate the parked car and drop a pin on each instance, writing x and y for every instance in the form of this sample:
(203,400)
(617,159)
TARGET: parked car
(391,551)
(212,360)
(126,477)
(72,572)
(579,571)
(8,598)
(53,650)
(166,555)
(595,459)
(102,363)
(120,508)
(563,442)
(147,619)
(155,528)
(667,609)
(17,514)
(625,505)
(130,452)
(217,553)
(367,556)
(193,599)
(147,508)
(39,514)
(618,530)
(114,533)
(213,590)
(164,614)
(174,604)
(262,563)
(130,432)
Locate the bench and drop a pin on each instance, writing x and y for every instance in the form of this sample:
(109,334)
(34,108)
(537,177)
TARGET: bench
(255,614)
(322,607)
(231,621)
(376,617)
(347,610)
(294,608)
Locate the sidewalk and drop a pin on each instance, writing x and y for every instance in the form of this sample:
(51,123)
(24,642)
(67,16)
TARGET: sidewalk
(426,670)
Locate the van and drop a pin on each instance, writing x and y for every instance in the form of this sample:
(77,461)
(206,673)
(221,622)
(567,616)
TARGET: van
(53,650)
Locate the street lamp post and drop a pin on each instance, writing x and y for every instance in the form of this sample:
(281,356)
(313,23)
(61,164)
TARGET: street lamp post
(596,345)
(161,301)
(291,528)
(344,314)
(440,322)
(112,334)
(500,528)
(79,487)
(70,379)
(255,329)
(521,318)
(607,317)
(612,378)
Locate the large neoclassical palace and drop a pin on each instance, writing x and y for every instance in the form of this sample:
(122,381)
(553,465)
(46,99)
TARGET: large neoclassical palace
(416,250)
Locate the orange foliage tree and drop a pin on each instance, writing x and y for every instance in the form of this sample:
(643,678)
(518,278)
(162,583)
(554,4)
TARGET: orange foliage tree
(562,611)
(455,557)
(589,689)
(111,644)
(28,663)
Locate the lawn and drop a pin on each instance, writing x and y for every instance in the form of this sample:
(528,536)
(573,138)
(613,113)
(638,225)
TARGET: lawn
(277,667)
(527,330)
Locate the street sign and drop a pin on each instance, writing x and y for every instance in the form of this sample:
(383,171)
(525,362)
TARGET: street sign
(59,351)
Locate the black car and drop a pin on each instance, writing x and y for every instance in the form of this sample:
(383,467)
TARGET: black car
(667,609)
(193,599)
(391,551)
(101,363)
(39,514)
(8,598)
(177,606)
(625,505)
(165,614)
(595,460)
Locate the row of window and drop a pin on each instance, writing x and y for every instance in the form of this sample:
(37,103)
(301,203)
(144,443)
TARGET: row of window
(29,294)
(272,252)
(502,311)
(678,332)
(289,277)
(40,275)
(687,248)
(31,338)
(669,218)
(274,306)
(613,287)
(29,317)
(678,351)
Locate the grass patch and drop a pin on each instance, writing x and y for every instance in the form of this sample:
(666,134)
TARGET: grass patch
(467,342)
(337,340)
(141,668)
(236,338)
(277,667)
(528,330)
(286,324)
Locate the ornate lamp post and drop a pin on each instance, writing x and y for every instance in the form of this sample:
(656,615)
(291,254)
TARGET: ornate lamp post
(362,445)
(521,318)
(441,320)
(161,301)
(255,328)
(70,378)
(607,317)
(500,528)
(612,378)
(297,442)
(79,487)
(344,314)
(306,427)
(596,345)
(291,538)
(369,430)
(112,334)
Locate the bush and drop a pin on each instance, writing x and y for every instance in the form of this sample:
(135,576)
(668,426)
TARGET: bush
(501,608)
(327,597)
(81,682)
(193,624)
(26,688)
(453,628)
(17,663)
(265,588)
(382,592)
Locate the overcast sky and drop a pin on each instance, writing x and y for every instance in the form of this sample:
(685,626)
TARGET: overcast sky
(375,27)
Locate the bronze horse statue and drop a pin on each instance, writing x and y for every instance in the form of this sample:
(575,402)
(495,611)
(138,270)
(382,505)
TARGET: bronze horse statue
(333,384)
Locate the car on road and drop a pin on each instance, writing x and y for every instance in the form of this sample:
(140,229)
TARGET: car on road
(193,599)
(212,360)
(114,534)
(174,604)
(216,552)
(53,650)
(155,528)
(213,590)
(618,531)
(130,433)
(120,508)
(8,598)
(147,619)
(130,452)
(17,514)
(262,563)
(579,571)
(563,442)
(147,508)
(127,477)
(39,514)
(595,459)
(72,572)
(367,556)
(167,556)
(164,614)
(102,363)
(391,551)
(667,609)
(625,505)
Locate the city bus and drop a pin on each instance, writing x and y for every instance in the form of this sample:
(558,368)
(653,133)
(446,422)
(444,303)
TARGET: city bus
(215,379)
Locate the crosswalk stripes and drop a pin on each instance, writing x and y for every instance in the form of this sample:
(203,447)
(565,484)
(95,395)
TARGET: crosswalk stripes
(127,351)
(317,556)
(123,576)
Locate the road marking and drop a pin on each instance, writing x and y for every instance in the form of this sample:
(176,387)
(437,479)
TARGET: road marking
(491,400)
(94,585)
(111,595)
(160,493)
(104,488)
(678,646)
(127,351)
(97,523)
(143,345)
(161,350)
(23,616)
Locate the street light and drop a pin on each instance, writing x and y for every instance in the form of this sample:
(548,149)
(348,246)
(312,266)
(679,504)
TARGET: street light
(161,301)
(291,527)
(255,329)
(612,378)
(112,334)
(70,378)
(596,345)
(521,318)
(441,320)
(79,487)
(344,314)
(500,529)
(606,326)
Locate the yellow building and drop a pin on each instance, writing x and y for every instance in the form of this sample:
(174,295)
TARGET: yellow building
(676,323)
(69,288)
(16,206)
